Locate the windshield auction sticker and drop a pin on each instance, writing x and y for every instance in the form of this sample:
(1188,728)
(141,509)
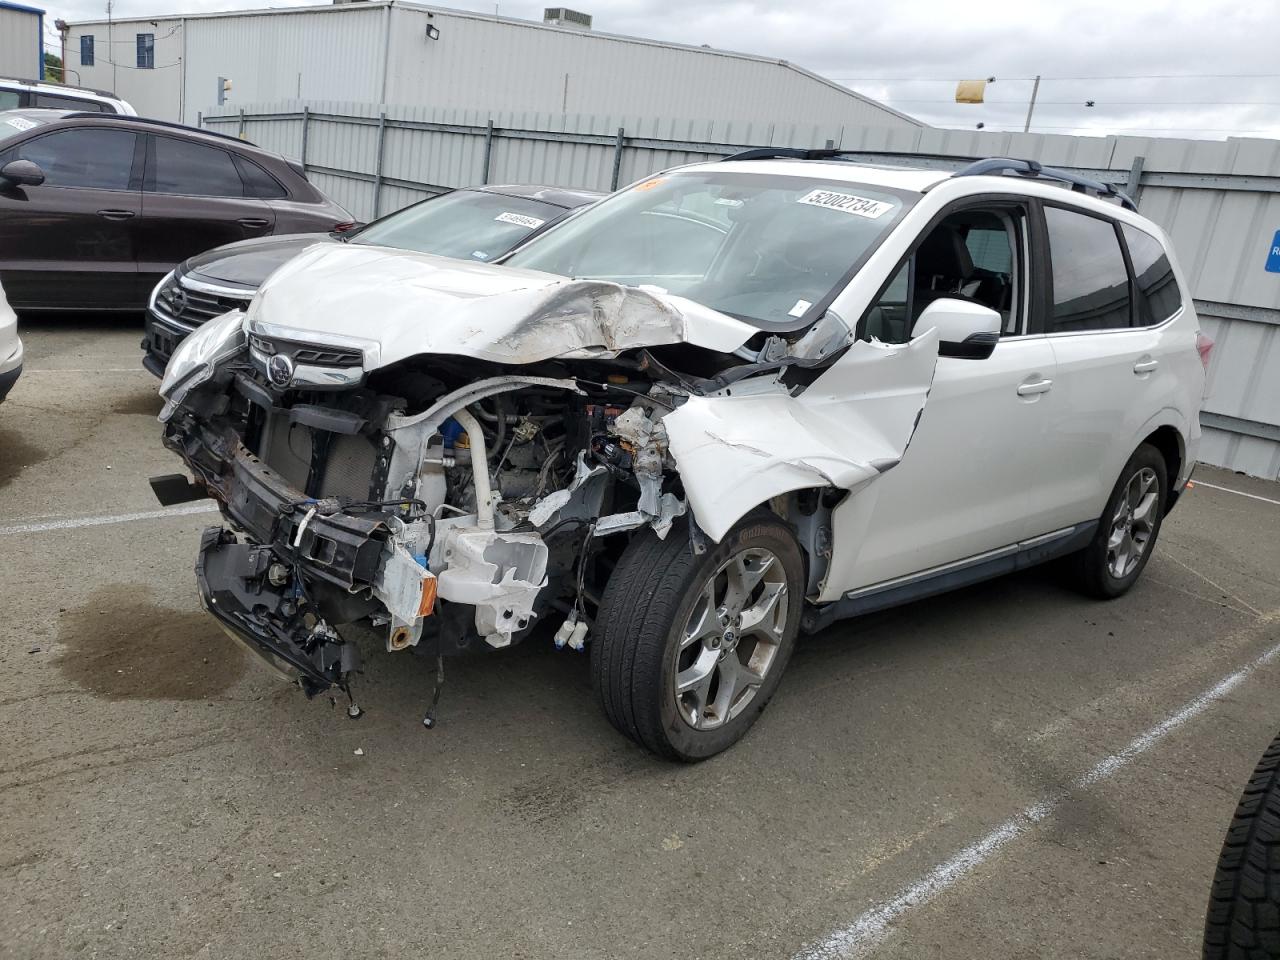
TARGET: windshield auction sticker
(22,123)
(846,203)
(520,220)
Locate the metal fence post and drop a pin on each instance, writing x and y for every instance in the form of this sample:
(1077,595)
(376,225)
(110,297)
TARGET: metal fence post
(488,152)
(199,118)
(306,124)
(1134,186)
(617,160)
(377,171)
(241,133)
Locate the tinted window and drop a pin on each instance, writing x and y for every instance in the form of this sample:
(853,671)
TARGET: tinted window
(1158,295)
(55,102)
(194,170)
(146,51)
(257,182)
(1090,282)
(86,51)
(82,158)
(466,224)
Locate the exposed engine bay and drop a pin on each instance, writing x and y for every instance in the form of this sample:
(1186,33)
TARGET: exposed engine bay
(458,500)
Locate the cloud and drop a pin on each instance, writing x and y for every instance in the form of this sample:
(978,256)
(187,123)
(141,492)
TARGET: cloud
(885,50)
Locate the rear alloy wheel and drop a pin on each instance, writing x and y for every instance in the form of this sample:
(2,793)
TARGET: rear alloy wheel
(689,649)
(1127,529)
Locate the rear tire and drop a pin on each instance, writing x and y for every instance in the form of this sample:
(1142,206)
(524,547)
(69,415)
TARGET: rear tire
(1127,529)
(1243,920)
(689,649)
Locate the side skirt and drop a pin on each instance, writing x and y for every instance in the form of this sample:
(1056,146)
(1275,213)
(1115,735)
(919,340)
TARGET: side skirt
(952,576)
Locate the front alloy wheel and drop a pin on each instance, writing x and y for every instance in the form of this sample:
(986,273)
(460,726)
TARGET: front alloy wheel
(731,638)
(688,649)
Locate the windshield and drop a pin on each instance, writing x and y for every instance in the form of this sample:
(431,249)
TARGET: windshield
(765,249)
(465,224)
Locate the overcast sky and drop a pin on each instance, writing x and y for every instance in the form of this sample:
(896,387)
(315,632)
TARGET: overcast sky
(885,50)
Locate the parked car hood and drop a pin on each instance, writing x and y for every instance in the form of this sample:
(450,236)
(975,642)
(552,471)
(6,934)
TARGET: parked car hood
(399,303)
(249,262)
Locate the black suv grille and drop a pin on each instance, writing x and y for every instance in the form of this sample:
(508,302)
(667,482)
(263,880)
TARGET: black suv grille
(194,307)
(310,353)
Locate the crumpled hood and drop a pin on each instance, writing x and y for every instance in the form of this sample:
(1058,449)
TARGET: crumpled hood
(401,303)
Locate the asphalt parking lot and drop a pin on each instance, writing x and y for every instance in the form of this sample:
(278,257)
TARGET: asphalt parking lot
(1009,771)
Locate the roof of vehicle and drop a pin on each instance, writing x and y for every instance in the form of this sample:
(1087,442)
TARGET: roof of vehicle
(37,116)
(559,196)
(921,172)
(47,116)
(52,87)
(875,174)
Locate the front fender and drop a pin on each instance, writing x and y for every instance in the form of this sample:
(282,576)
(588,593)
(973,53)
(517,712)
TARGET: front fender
(735,452)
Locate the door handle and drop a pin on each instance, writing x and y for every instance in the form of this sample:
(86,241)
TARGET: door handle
(1145,366)
(1031,387)
(116,214)
(254,223)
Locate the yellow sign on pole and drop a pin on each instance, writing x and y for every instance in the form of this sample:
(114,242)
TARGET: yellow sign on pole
(970,91)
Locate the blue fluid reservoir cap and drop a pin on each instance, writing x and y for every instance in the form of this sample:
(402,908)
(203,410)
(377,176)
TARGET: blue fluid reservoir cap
(451,429)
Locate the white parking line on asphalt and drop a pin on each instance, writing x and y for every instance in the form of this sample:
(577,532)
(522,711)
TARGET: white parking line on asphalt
(1238,493)
(871,928)
(72,523)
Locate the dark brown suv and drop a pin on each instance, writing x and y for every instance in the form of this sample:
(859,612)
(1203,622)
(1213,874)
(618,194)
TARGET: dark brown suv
(95,209)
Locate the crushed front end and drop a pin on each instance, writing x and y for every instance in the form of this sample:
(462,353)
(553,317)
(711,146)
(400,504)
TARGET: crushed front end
(444,501)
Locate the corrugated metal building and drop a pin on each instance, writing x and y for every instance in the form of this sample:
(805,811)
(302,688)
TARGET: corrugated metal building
(21,41)
(404,53)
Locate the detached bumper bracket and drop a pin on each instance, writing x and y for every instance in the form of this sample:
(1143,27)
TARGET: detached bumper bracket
(268,620)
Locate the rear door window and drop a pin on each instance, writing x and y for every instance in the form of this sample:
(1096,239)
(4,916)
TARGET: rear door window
(1090,280)
(1158,295)
(84,157)
(193,170)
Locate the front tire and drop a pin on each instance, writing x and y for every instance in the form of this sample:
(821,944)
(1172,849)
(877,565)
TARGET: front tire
(1112,562)
(689,649)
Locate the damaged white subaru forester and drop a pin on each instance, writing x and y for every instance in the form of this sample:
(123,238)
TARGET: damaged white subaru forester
(731,403)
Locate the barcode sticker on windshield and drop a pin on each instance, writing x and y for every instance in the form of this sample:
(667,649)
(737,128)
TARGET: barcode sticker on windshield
(22,123)
(846,203)
(520,220)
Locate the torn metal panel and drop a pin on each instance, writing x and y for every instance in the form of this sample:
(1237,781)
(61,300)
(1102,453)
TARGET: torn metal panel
(852,424)
(434,305)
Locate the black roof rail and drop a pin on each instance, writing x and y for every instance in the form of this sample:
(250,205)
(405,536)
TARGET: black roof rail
(999,166)
(81,114)
(827,153)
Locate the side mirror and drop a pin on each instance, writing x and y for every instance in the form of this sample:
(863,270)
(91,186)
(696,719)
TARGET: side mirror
(22,173)
(965,329)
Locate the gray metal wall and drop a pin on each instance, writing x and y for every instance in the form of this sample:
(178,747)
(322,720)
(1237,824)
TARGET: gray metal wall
(1218,200)
(20,44)
(380,52)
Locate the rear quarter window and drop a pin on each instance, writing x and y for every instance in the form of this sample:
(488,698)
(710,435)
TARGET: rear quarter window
(1158,294)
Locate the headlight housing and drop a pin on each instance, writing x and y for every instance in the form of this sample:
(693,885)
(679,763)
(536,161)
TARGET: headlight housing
(198,355)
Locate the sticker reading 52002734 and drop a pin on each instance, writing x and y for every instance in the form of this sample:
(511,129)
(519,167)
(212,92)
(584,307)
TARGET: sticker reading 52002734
(847,203)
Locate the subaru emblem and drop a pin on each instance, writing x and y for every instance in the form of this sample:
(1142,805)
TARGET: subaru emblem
(178,301)
(280,370)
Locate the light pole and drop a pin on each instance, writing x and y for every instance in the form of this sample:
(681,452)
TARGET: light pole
(1035,89)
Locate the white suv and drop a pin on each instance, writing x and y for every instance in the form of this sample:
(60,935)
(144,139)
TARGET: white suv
(40,94)
(731,403)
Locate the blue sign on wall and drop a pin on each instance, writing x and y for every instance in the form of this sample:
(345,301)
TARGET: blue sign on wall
(1273,256)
